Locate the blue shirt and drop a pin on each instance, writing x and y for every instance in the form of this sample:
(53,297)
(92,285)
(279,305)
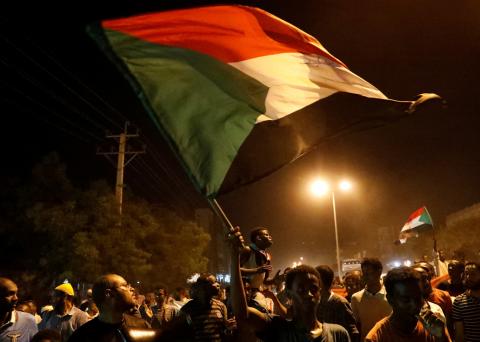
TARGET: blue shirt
(20,328)
(65,324)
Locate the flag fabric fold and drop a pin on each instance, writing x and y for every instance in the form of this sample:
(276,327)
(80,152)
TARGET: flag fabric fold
(238,92)
(417,222)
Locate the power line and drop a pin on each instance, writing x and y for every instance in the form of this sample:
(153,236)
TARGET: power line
(60,81)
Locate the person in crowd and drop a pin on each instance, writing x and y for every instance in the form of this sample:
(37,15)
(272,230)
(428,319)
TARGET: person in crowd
(149,307)
(14,325)
(30,307)
(370,304)
(280,287)
(65,316)
(433,295)
(334,308)
(303,286)
(454,286)
(181,296)
(353,283)
(466,307)
(206,317)
(114,298)
(256,266)
(442,263)
(47,335)
(164,311)
(89,305)
(411,319)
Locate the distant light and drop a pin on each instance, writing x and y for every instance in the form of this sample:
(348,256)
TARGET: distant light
(345,185)
(396,263)
(407,263)
(301,258)
(138,281)
(227,278)
(319,188)
(294,264)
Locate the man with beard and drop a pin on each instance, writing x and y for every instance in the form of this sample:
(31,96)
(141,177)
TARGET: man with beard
(411,319)
(15,326)
(256,267)
(466,307)
(113,296)
(65,316)
(303,287)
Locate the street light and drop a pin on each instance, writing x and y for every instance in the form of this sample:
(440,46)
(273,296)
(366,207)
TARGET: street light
(320,188)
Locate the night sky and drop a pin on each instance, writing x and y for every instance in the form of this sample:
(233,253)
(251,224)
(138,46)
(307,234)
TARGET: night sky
(58,92)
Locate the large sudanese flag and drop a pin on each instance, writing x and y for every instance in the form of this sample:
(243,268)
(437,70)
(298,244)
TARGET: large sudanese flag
(238,92)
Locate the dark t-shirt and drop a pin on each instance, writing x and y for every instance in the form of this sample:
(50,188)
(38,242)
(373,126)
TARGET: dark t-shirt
(281,330)
(98,331)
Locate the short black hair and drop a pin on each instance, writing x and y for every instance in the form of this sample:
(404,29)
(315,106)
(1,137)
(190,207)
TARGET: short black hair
(456,264)
(256,232)
(372,262)
(302,269)
(397,275)
(47,334)
(426,266)
(326,275)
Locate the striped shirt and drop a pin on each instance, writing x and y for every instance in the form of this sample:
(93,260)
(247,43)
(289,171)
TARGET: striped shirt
(466,309)
(207,323)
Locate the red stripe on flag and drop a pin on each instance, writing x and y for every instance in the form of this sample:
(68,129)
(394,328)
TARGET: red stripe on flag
(228,33)
(416,213)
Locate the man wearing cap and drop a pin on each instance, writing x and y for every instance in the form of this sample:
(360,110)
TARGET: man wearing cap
(15,326)
(65,317)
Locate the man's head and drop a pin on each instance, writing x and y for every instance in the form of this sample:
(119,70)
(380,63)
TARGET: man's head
(353,282)
(326,277)
(150,298)
(471,276)
(371,271)
(161,294)
(182,292)
(427,266)
(47,335)
(404,292)
(441,255)
(112,293)
(261,238)
(303,287)
(8,295)
(455,271)
(63,296)
(205,288)
(425,278)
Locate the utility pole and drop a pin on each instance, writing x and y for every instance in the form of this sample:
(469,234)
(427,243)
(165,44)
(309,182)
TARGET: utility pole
(121,164)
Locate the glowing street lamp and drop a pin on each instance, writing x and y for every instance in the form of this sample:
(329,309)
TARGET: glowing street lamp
(321,188)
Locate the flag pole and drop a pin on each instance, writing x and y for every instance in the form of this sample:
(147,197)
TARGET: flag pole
(436,260)
(221,214)
(223,217)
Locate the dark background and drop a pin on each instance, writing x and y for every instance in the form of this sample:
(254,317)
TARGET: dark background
(58,92)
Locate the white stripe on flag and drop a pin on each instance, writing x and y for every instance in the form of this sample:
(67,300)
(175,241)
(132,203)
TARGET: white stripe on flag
(297,80)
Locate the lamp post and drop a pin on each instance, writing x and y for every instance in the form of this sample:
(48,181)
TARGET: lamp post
(321,188)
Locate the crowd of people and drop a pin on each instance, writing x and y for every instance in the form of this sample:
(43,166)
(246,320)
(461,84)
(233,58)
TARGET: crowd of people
(407,304)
